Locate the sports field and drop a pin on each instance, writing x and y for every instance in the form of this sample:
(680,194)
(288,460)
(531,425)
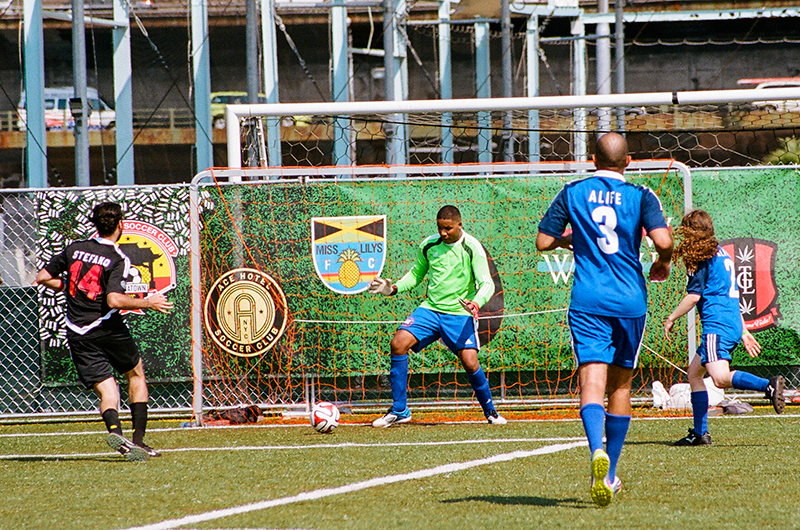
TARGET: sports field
(470,475)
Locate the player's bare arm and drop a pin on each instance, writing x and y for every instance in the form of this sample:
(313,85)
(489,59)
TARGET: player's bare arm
(155,301)
(662,239)
(546,242)
(46,279)
(752,346)
(686,305)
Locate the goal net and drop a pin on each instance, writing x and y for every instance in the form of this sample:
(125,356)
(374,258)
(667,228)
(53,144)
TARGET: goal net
(285,256)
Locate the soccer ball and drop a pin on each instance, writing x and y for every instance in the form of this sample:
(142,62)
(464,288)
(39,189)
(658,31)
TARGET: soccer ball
(324,417)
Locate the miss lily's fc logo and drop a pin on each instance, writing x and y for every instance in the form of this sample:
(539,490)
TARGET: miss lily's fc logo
(349,252)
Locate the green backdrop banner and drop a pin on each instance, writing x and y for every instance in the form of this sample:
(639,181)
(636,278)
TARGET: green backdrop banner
(347,333)
(756,215)
(337,328)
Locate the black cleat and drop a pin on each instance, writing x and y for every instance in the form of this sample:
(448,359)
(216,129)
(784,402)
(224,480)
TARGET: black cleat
(774,393)
(694,439)
(152,453)
(131,451)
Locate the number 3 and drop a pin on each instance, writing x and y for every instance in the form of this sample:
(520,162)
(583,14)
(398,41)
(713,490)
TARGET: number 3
(606,219)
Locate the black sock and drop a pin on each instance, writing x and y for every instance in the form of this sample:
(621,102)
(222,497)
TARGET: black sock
(111,418)
(139,418)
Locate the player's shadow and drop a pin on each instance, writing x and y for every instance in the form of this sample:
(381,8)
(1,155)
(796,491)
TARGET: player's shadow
(525,501)
(55,458)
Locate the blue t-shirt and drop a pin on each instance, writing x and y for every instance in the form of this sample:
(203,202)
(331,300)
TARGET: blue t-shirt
(719,309)
(607,215)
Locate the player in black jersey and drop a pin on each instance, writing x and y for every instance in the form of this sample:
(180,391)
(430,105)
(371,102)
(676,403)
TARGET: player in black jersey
(95,273)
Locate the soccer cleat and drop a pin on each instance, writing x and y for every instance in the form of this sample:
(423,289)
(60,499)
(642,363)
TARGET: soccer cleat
(774,393)
(495,419)
(131,451)
(392,418)
(602,492)
(694,439)
(152,453)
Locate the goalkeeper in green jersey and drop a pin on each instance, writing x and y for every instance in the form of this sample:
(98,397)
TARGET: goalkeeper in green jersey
(459,283)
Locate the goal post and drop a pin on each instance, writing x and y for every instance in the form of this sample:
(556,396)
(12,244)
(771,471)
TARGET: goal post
(313,330)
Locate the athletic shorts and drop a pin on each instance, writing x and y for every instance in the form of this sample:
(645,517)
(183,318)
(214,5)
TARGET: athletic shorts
(458,332)
(609,340)
(96,358)
(715,348)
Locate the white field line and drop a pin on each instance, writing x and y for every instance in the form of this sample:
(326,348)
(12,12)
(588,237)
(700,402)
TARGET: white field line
(349,488)
(347,425)
(345,445)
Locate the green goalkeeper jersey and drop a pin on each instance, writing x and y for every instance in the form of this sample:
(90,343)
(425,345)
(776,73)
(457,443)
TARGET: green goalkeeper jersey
(455,271)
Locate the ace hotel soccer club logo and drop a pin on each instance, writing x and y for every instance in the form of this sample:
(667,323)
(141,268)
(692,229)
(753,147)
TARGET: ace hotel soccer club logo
(754,272)
(151,253)
(349,252)
(245,312)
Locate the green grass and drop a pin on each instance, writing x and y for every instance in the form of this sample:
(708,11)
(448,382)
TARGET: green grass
(746,479)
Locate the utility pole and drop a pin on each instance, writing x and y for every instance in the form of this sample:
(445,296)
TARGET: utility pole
(77,105)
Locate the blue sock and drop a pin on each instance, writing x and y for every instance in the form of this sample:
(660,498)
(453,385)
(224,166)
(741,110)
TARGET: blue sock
(480,385)
(593,415)
(616,431)
(747,381)
(398,374)
(700,411)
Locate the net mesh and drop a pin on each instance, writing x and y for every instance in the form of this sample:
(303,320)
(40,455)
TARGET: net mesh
(336,345)
(698,135)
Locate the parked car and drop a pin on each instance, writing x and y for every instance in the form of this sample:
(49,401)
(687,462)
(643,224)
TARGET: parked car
(220,99)
(57,115)
(778,105)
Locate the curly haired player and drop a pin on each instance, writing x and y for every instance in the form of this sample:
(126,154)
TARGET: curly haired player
(95,273)
(712,288)
(459,283)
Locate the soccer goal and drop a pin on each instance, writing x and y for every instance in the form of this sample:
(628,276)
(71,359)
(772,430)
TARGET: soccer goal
(282,258)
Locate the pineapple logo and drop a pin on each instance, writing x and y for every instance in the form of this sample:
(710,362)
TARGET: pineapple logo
(349,273)
(348,252)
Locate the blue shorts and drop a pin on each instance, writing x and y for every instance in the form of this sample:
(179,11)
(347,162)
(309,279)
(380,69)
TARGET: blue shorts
(458,332)
(609,340)
(715,348)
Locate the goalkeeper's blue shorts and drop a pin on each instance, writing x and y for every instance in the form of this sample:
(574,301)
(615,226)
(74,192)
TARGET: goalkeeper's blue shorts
(458,332)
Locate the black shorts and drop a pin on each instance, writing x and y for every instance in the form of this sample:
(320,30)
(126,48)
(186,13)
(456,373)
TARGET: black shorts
(96,358)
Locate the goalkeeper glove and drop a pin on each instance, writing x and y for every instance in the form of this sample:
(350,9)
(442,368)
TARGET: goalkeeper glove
(382,286)
(470,306)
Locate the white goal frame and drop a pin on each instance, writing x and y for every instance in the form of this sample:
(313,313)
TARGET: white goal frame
(309,174)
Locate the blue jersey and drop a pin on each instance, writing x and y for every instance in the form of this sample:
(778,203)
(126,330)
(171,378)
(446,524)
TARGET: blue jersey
(714,282)
(607,216)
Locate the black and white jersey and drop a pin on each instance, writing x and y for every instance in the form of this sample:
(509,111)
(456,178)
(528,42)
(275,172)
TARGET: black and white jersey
(90,270)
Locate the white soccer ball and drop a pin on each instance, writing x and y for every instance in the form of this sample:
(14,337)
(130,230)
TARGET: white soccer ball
(324,417)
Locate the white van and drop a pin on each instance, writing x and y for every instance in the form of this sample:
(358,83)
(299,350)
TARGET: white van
(788,105)
(57,116)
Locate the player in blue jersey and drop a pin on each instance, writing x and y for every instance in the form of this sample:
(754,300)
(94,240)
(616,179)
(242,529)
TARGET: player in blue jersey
(608,305)
(713,289)
(459,283)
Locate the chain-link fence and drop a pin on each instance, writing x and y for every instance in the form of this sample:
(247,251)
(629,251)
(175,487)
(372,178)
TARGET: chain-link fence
(34,225)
